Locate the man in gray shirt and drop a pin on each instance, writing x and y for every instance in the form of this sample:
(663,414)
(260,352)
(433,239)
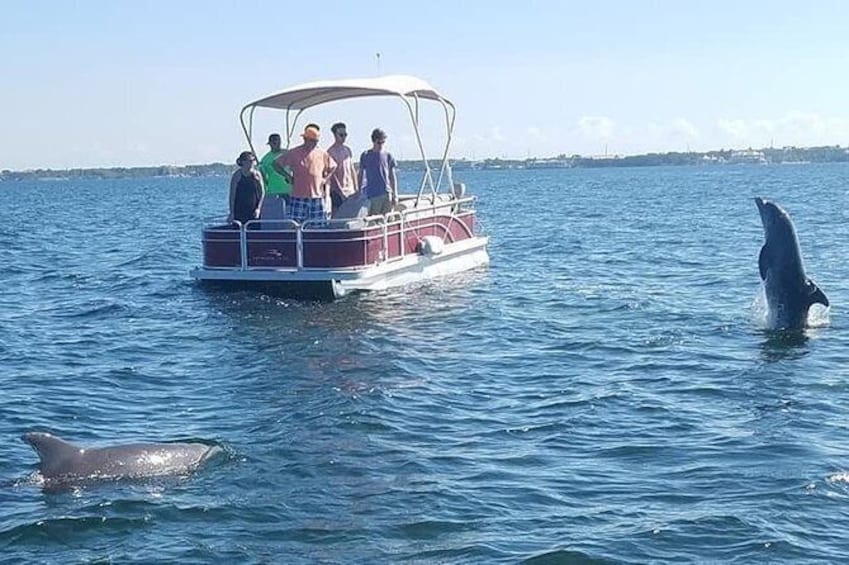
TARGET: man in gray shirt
(380,185)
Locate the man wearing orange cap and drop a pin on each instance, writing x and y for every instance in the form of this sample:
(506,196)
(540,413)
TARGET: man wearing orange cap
(311,168)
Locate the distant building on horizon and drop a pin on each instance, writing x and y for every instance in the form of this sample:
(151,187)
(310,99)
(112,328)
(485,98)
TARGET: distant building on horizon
(551,163)
(747,157)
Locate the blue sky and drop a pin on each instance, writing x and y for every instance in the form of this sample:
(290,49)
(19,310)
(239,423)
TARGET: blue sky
(152,82)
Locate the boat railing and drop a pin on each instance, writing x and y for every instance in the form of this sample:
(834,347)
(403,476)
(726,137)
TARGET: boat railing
(395,223)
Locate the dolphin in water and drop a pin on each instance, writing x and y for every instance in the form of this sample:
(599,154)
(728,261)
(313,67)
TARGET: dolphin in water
(789,292)
(64,462)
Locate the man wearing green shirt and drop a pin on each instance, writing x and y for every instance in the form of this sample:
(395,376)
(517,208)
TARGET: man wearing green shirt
(278,188)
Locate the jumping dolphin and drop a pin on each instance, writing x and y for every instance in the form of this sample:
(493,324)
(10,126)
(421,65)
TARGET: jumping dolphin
(63,461)
(789,293)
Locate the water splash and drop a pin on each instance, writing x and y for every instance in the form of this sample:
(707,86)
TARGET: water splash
(818,315)
(841,477)
(760,310)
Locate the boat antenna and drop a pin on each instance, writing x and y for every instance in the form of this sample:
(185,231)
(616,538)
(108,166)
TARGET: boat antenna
(377,55)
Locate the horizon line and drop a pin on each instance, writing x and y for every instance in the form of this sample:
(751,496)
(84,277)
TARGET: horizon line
(464,158)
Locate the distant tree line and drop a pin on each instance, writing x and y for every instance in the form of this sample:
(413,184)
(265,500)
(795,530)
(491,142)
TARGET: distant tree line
(829,154)
(212,169)
(826,154)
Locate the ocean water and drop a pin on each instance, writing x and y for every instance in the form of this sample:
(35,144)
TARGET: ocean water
(604,392)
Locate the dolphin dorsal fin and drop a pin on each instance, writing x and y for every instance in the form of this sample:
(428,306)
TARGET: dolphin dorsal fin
(50,448)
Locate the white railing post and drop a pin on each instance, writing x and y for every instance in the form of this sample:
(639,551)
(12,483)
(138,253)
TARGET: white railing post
(385,251)
(243,246)
(403,235)
(299,239)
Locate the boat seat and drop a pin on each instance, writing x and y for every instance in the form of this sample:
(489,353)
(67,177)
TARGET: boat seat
(353,207)
(408,202)
(354,224)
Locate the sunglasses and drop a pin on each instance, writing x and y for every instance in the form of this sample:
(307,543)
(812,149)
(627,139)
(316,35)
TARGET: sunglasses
(342,133)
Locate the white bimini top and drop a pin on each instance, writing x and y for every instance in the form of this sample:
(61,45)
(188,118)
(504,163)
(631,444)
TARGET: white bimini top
(310,94)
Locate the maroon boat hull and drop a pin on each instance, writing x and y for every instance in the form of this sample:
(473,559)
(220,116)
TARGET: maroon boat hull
(330,248)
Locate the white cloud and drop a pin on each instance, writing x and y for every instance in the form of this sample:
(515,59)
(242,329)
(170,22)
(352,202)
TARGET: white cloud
(764,125)
(592,135)
(804,122)
(596,127)
(737,129)
(794,128)
(670,135)
(684,128)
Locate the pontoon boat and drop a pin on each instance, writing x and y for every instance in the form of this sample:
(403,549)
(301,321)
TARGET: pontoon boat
(431,233)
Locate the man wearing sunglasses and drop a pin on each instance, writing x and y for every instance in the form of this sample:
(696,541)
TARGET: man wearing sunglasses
(343,183)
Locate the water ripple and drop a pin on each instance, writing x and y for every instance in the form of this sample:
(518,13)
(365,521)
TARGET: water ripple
(601,394)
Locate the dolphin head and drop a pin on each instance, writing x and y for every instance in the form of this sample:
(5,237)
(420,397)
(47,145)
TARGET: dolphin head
(774,219)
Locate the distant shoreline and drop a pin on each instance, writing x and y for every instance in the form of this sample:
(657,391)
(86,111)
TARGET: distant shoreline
(765,156)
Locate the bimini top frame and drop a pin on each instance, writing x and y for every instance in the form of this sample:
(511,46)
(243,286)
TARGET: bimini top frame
(407,88)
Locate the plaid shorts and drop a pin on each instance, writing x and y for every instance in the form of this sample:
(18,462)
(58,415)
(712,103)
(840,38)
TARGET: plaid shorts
(301,209)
